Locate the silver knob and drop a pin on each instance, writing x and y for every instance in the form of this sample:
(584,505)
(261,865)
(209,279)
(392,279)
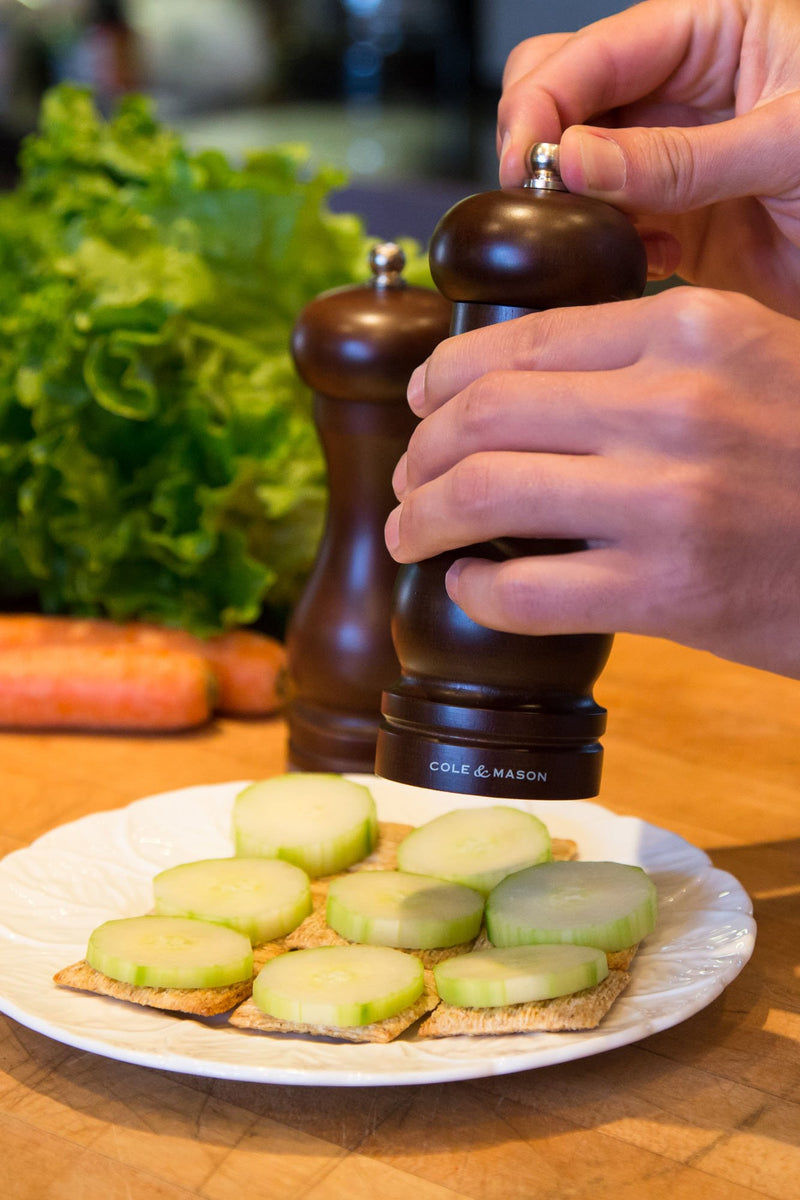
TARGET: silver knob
(387,261)
(544,167)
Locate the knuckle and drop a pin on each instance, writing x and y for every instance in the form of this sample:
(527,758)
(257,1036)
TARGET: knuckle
(471,486)
(685,416)
(477,407)
(512,595)
(669,158)
(703,318)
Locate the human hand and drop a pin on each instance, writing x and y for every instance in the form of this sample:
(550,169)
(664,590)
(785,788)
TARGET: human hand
(693,107)
(665,432)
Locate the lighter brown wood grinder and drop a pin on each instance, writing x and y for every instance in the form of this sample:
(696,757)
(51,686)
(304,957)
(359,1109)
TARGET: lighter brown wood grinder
(356,348)
(475,710)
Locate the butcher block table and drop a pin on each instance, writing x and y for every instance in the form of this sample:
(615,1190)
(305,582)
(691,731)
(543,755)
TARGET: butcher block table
(707,1108)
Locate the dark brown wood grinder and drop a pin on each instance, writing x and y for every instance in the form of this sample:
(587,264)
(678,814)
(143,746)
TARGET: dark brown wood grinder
(355,347)
(475,710)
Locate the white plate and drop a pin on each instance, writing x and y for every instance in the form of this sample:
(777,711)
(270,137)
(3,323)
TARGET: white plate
(54,892)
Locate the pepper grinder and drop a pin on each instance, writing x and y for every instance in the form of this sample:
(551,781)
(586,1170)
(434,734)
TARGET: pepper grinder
(475,710)
(355,347)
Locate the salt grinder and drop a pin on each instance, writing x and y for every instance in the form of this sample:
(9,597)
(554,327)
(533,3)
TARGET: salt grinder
(475,710)
(356,348)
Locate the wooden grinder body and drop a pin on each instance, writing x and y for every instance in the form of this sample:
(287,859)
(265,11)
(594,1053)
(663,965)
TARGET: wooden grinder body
(356,348)
(477,710)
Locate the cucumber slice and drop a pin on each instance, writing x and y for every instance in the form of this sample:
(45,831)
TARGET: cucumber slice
(176,952)
(339,985)
(322,823)
(517,974)
(603,904)
(263,898)
(392,908)
(476,846)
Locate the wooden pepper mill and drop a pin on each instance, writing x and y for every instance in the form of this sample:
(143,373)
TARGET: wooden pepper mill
(356,348)
(476,710)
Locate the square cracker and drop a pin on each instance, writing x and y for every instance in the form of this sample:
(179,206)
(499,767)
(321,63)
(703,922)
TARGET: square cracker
(618,960)
(384,856)
(582,1010)
(199,1002)
(315,931)
(249,1016)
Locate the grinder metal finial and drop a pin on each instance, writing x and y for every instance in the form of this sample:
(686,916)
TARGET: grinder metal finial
(545,170)
(386,261)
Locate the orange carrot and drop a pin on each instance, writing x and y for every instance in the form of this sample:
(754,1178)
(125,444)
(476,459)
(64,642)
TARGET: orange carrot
(247,665)
(103,687)
(249,670)
(33,629)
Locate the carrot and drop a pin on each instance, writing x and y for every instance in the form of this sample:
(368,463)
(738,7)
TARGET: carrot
(249,670)
(103,687)
(247,665)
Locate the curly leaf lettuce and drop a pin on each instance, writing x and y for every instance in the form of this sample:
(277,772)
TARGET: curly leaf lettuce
(157,454)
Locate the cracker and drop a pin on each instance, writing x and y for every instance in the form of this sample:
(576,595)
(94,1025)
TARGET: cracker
(618,960)
(582,1010)
(200,1002)
(384,856)
(267,950)
(249,1016)
(315,931)
(564,849)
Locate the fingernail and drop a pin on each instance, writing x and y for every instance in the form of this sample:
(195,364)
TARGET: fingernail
(451,579)
(400,477)
(663,254)
(416,387)
(506,142)
(604,166)
(391,531)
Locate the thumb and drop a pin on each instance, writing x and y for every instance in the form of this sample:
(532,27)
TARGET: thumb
(677,169)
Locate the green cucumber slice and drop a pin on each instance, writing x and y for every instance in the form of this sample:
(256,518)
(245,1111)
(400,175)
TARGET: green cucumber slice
(476,846)
(392,908)
(263,898)
(604,904)
(176,952)
(322,823)
(518,974)
(339,985)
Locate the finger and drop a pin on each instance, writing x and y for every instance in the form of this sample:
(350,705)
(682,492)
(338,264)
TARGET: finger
(507,494)
(586,591)
(664,252)
(677,170)
(616,61)
(529,54)
(534,411)
(524,58)
(593,338)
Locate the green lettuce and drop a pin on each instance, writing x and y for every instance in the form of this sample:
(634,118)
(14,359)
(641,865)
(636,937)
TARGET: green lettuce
(158,458)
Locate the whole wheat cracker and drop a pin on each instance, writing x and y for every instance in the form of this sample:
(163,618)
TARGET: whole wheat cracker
(249,1016)
(199,1002)
(315,931)
(618,960)
(582,1010)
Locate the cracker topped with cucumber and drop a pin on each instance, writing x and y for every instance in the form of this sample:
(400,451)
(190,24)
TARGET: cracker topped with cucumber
(327,921)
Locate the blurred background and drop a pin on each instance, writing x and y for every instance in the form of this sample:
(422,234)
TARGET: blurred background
(397,92)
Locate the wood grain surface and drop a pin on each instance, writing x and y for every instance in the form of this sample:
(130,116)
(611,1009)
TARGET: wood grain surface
(708,1109)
